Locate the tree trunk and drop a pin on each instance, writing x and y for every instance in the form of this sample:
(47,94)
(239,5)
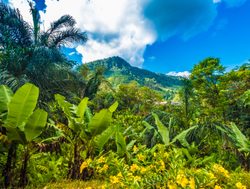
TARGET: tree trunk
(74,164)
(23,174)
(7,171)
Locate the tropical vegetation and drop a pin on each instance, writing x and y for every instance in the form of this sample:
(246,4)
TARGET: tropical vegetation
(64,125)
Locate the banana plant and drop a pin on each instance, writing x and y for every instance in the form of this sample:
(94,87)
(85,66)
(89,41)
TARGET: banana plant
(115,132)
(164,132)
(21,123)
(88,133)
(239,140)
(19,118)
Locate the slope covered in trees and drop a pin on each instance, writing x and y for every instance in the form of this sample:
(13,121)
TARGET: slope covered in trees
(118,71)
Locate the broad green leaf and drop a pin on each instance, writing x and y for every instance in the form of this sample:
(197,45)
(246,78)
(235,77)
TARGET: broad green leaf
(120,143)
(103,138)
(15,134)
(113,107)
(83,154)
(35,125)
(89,115)
(186,152)
(100,122)
(5,97)
(237,137)
(182,136)
(66,106)
(162,129)
(148,128)
(147,125)
(81,109)
(68,109)
(240,139)
(21,106)
(130,145)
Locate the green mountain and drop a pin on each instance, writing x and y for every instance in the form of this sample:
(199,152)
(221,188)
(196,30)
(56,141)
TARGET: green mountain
(118,71)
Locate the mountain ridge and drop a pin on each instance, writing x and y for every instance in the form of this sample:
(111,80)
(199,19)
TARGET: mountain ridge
(118,71)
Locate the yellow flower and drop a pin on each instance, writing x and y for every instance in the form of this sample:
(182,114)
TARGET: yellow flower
(192,183)
(171,186)
(165,155)
(221,170)
(134,167)
(217,187)
(85,164)
(211,175)
(101,160)
(135,149)
(141,157)
(162,165)
(239,185)
(182,180)
(104,168)
(114,179)
(137,178)
(151,166)
(119,175)
(130,175)
(88,187)
(143,170)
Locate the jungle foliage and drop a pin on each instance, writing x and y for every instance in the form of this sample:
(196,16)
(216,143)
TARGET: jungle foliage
(58,122)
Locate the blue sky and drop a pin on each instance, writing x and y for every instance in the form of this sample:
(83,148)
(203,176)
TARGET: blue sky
(227,38)
(158,35)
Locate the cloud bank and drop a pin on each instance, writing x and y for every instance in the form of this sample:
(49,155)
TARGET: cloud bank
(125,28)
(185,74)
(115,28)
(178,17)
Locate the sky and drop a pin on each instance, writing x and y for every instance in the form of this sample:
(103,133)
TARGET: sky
(165,36)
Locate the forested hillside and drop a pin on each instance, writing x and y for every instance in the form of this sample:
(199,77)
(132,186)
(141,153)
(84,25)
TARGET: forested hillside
(118,71)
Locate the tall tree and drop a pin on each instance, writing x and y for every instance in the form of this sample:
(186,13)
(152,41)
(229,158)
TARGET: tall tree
(205,78)
(31,55)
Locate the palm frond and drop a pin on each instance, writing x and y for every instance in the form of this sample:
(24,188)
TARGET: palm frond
(64,21)
(13,29)
(237,138)
(14,82)
(56,26)
(68,37)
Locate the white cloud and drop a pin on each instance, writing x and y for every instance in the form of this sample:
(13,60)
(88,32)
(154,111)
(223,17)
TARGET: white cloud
(115,28)
(216,1)
(185,74)
(24,8)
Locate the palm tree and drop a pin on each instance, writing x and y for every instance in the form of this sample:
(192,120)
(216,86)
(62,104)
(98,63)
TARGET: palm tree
(28,54)
(15,31)
(95,81)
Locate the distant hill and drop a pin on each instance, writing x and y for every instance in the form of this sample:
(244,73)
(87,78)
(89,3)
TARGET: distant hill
(118,71)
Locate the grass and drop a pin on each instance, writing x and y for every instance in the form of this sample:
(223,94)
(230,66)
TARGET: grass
(69,184)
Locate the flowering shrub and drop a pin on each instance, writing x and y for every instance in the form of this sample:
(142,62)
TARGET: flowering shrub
(160,167)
